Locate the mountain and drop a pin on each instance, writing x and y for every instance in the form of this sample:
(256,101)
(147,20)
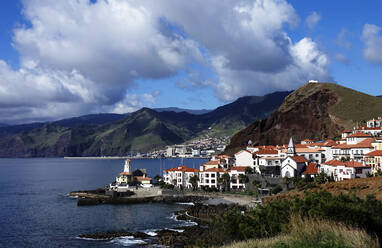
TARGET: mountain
(142,131)
(178,110)
(314,111)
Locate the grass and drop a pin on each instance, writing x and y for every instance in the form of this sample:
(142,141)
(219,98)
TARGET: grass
(313,233)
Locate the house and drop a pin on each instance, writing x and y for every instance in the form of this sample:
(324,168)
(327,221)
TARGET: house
(209,177)
(345,170)
(374,122)
(270,166)
(224,161)
(356,146)
(180,176)
(245,158)
(311,170)
(234,174)
(374,160)
(292,165)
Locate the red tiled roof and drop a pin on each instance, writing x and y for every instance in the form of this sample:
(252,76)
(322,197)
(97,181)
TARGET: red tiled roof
(266,151)
(299,159)
(311,169)
(363,144)
(212,162)
(125,173)
(346,131)
(214,170)
(369,128)
(374,153)
(359,135)
(243,151)
(183,168)
(238,168)
(143,178)
(346,164)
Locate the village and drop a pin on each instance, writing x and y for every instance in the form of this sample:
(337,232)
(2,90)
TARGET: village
(358,154)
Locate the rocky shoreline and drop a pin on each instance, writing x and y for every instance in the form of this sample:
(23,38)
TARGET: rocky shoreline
(196,230)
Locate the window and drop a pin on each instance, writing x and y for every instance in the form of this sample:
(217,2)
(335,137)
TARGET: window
(207,175)
(207,181)
(213,175)
(213,181)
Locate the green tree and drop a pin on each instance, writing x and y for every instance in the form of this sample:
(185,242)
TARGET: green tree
(224,181)
(194,182)
(243,178)
(248,170)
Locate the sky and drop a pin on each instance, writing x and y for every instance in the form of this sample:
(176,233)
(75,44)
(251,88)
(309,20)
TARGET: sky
(61,59)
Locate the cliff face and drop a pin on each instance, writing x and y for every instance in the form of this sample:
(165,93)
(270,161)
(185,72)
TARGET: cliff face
(314,111)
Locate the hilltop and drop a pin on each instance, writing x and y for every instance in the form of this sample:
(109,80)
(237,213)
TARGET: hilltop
(143,130)
(314,111)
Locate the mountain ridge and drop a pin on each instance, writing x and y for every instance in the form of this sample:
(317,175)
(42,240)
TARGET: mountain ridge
(143,130)
(314,111)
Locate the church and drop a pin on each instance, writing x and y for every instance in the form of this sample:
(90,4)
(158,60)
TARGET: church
(292,165)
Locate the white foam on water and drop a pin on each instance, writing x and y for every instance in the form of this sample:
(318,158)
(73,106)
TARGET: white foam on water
(186,203)
(127,241)
(151,232)
(91,239)
(175,230)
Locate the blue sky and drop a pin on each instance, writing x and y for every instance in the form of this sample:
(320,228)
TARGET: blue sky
(68,58)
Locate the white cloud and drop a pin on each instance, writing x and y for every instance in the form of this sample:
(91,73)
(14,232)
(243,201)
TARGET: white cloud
(312,20)
(341,58)
(79,57)
(341,39)
(373,43)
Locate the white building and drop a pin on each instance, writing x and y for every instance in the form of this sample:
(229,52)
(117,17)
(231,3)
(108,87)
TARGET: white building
(345,170)
(245,158)
(180,176)
(293,165)
(356,146)
(234,174)
(209,177)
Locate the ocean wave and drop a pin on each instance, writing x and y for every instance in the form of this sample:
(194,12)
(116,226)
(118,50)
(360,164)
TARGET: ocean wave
(91,239)
(175,230)
(127,241)
(186,203)
(151,232)
(183,222)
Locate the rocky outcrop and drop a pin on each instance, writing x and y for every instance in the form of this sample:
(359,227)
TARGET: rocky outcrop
(314,111)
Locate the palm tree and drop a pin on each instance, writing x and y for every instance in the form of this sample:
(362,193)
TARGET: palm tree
(224,181)
(243,178)
(194,182)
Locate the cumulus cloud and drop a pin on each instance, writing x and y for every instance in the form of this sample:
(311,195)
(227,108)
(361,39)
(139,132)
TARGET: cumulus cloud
(81,56)
(342,58)
(341,39)
(373,43)
(312,20)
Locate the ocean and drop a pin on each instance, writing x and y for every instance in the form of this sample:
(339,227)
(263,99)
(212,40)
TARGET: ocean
(35,210)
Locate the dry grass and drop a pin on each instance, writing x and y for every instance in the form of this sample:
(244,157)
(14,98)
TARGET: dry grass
(360,187)
(314,233)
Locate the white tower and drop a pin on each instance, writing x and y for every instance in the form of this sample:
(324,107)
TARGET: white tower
(127,167)
(291,148)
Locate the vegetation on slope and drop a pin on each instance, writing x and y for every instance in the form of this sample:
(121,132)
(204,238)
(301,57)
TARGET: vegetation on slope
(313,233)
(314,111)
(320,208)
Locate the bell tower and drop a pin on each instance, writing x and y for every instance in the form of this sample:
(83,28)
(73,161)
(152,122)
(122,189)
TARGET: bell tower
(127,167)
(291,148)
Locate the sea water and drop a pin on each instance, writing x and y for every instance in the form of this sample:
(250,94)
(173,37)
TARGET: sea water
(35,210)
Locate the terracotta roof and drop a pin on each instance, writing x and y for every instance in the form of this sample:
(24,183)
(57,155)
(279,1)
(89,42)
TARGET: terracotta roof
(212,162)
(363,144)
(143,178)
(238,168)
(271,158)
(354,164)
(374,153)
(346,131)
(311,168)
(306,150)
(359,135)
(346,164)
(224,156)
(243,151)
(125,173)
(183,168)
(299,159)
(369,128)
(266,151)
(214,170)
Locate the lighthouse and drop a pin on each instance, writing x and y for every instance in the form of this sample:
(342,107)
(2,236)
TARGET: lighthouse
(127,167)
